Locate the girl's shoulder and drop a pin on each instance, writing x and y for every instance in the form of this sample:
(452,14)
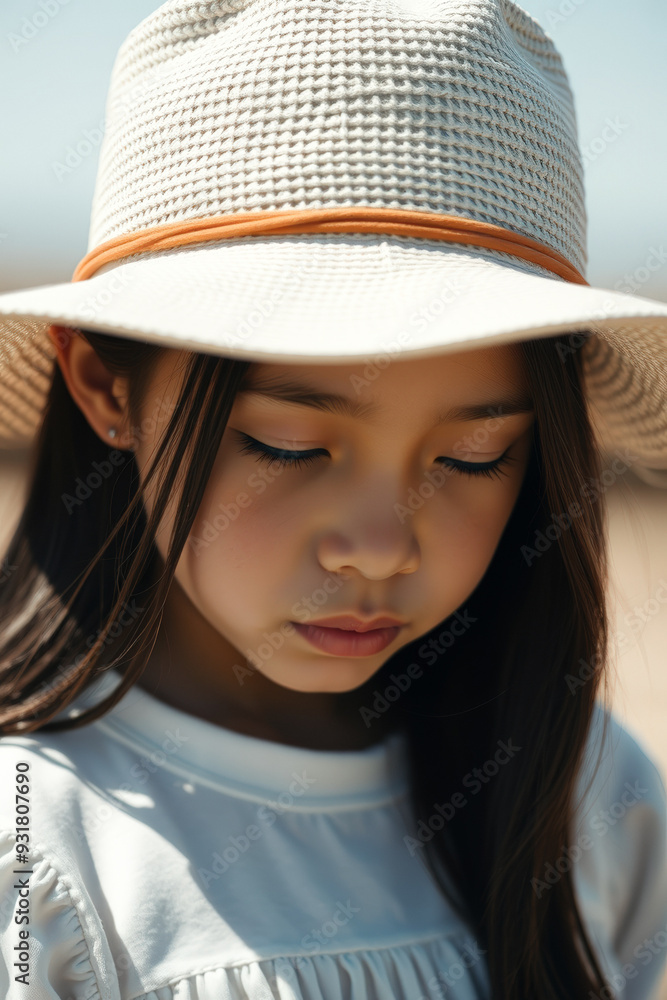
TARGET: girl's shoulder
(616,756)
(617,852)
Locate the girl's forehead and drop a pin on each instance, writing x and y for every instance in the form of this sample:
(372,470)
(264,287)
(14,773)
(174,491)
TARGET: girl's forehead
(445,388)
(502,362)
(461,386)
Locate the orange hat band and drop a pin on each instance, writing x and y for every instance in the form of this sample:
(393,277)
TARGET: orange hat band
(341,219)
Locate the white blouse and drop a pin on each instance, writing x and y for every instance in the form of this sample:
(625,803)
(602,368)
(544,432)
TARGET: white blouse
(172,859)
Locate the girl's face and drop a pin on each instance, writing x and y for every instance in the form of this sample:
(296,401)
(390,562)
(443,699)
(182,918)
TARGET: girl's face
(394,509)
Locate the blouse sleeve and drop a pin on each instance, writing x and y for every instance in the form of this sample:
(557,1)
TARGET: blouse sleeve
(619,859)
(66,954)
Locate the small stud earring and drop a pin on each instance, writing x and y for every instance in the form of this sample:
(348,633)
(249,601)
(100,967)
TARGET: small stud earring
(112,432)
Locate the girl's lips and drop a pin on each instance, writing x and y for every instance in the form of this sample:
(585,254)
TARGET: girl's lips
(344,642)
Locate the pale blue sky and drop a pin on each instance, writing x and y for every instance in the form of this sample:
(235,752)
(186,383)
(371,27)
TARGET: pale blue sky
(53,89)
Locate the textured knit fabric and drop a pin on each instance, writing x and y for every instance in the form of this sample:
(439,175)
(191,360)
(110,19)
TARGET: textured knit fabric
(302,103)
(172,859)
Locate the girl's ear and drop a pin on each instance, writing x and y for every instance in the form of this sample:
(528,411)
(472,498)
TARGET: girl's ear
(100,395)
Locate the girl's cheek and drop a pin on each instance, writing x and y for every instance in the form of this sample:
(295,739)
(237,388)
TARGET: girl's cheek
(242,517)
(465,526)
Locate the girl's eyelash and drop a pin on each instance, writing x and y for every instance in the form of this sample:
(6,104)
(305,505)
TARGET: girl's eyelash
(279,456)
(491,469)
(297,459)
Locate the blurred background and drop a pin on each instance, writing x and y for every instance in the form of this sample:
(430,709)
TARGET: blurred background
(56,61)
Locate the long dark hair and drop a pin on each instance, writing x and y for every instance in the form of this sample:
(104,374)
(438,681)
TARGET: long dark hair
(498,693)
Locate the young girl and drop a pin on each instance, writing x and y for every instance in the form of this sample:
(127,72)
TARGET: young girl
(304,620)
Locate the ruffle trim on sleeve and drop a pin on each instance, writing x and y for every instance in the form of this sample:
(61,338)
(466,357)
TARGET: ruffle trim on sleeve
(58,925)
(452,966)
(69,955)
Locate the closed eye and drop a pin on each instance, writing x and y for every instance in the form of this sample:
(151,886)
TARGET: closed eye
(265,453)
(296,459)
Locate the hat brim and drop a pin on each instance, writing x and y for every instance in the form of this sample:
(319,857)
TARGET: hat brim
(341,299)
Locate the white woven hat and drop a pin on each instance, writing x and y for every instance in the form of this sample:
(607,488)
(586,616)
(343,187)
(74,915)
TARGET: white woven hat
(430,147)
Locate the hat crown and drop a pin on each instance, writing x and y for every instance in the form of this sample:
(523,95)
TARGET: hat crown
(460,107)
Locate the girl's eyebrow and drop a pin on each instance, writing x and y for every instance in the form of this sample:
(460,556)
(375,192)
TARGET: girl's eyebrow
(293,391)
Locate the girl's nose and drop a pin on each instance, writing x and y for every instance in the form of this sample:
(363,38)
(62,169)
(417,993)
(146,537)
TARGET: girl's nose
(371,538)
